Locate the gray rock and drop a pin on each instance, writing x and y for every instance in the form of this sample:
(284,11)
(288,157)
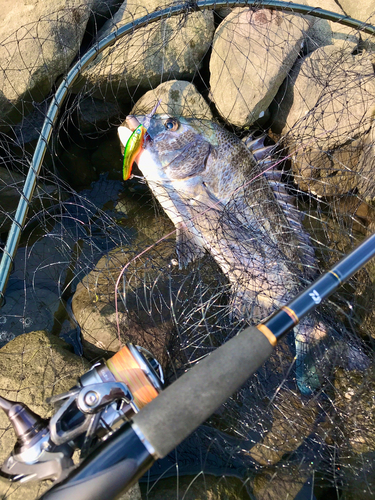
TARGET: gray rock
(200,487)
(366,168)
(252,54)
(280,484)
(178,98)
(77,166)
(34,367)
(286,434)
(105,8)
(172,48)
(41,40)
(324,111)
(27,310)
(108,157)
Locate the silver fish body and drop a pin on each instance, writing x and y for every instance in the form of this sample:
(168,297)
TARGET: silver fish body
(214,191)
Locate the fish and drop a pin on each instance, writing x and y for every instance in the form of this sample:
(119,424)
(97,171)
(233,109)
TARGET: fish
(222,200)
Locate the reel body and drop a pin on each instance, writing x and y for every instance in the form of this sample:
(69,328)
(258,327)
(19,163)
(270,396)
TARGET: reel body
(105,397)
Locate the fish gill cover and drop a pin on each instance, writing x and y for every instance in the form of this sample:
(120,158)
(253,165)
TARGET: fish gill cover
(262,178)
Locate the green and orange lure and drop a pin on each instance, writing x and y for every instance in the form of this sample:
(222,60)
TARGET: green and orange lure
(132,149)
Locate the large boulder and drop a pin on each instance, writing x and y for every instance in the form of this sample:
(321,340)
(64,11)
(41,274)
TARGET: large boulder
(325,108)
(40,41)
(178,98)
(163,50)
(252,53)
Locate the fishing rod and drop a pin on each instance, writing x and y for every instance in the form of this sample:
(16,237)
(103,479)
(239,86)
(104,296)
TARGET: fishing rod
(126,391)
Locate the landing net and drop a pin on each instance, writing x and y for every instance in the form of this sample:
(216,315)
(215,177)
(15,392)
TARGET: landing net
(302,84)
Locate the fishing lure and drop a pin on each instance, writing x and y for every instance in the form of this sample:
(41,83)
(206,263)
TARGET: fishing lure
(135,142)
(132,149)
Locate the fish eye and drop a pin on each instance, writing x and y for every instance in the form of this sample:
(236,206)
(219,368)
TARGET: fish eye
(171,124)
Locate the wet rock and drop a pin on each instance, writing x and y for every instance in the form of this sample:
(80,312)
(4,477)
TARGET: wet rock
(108,157)
(252,54)
(178,98)
(42,40)
(366,168)
(168,49)
(77,167)
(200,487)
(324,111)
(27,309)
(279,484)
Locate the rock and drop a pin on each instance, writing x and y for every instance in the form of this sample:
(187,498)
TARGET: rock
(178,98)
(366,168)
(27,309)
(324,110)
(95,115)
(168,49)
(108,157)
(364,10)
(355,398)
(105,8)
(251,55)
(42,40)
(77,167)
(33,367)
(323,32)
(94,303)
(200,487)
(280,484)
(293,421)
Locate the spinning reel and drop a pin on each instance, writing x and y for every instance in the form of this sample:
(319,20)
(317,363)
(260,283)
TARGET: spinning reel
(105,397)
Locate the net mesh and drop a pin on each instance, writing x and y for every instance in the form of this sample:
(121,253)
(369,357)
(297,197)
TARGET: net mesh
(99,264)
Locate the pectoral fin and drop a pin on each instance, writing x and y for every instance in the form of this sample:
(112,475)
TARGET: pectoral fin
(188,246)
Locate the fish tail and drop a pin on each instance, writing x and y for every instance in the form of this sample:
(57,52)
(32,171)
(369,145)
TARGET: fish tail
(319,349)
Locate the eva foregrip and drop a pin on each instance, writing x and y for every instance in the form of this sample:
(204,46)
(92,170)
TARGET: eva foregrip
(190,400)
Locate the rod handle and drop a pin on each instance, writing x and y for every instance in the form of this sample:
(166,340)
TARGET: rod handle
(190,400)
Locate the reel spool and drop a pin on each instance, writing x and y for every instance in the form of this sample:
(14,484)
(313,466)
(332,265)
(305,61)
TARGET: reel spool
(140,371)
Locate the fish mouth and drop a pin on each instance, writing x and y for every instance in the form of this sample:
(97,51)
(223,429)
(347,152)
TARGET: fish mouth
(136,141)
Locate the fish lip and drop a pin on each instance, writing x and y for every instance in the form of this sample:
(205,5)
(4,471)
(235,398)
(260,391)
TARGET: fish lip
(132,122)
